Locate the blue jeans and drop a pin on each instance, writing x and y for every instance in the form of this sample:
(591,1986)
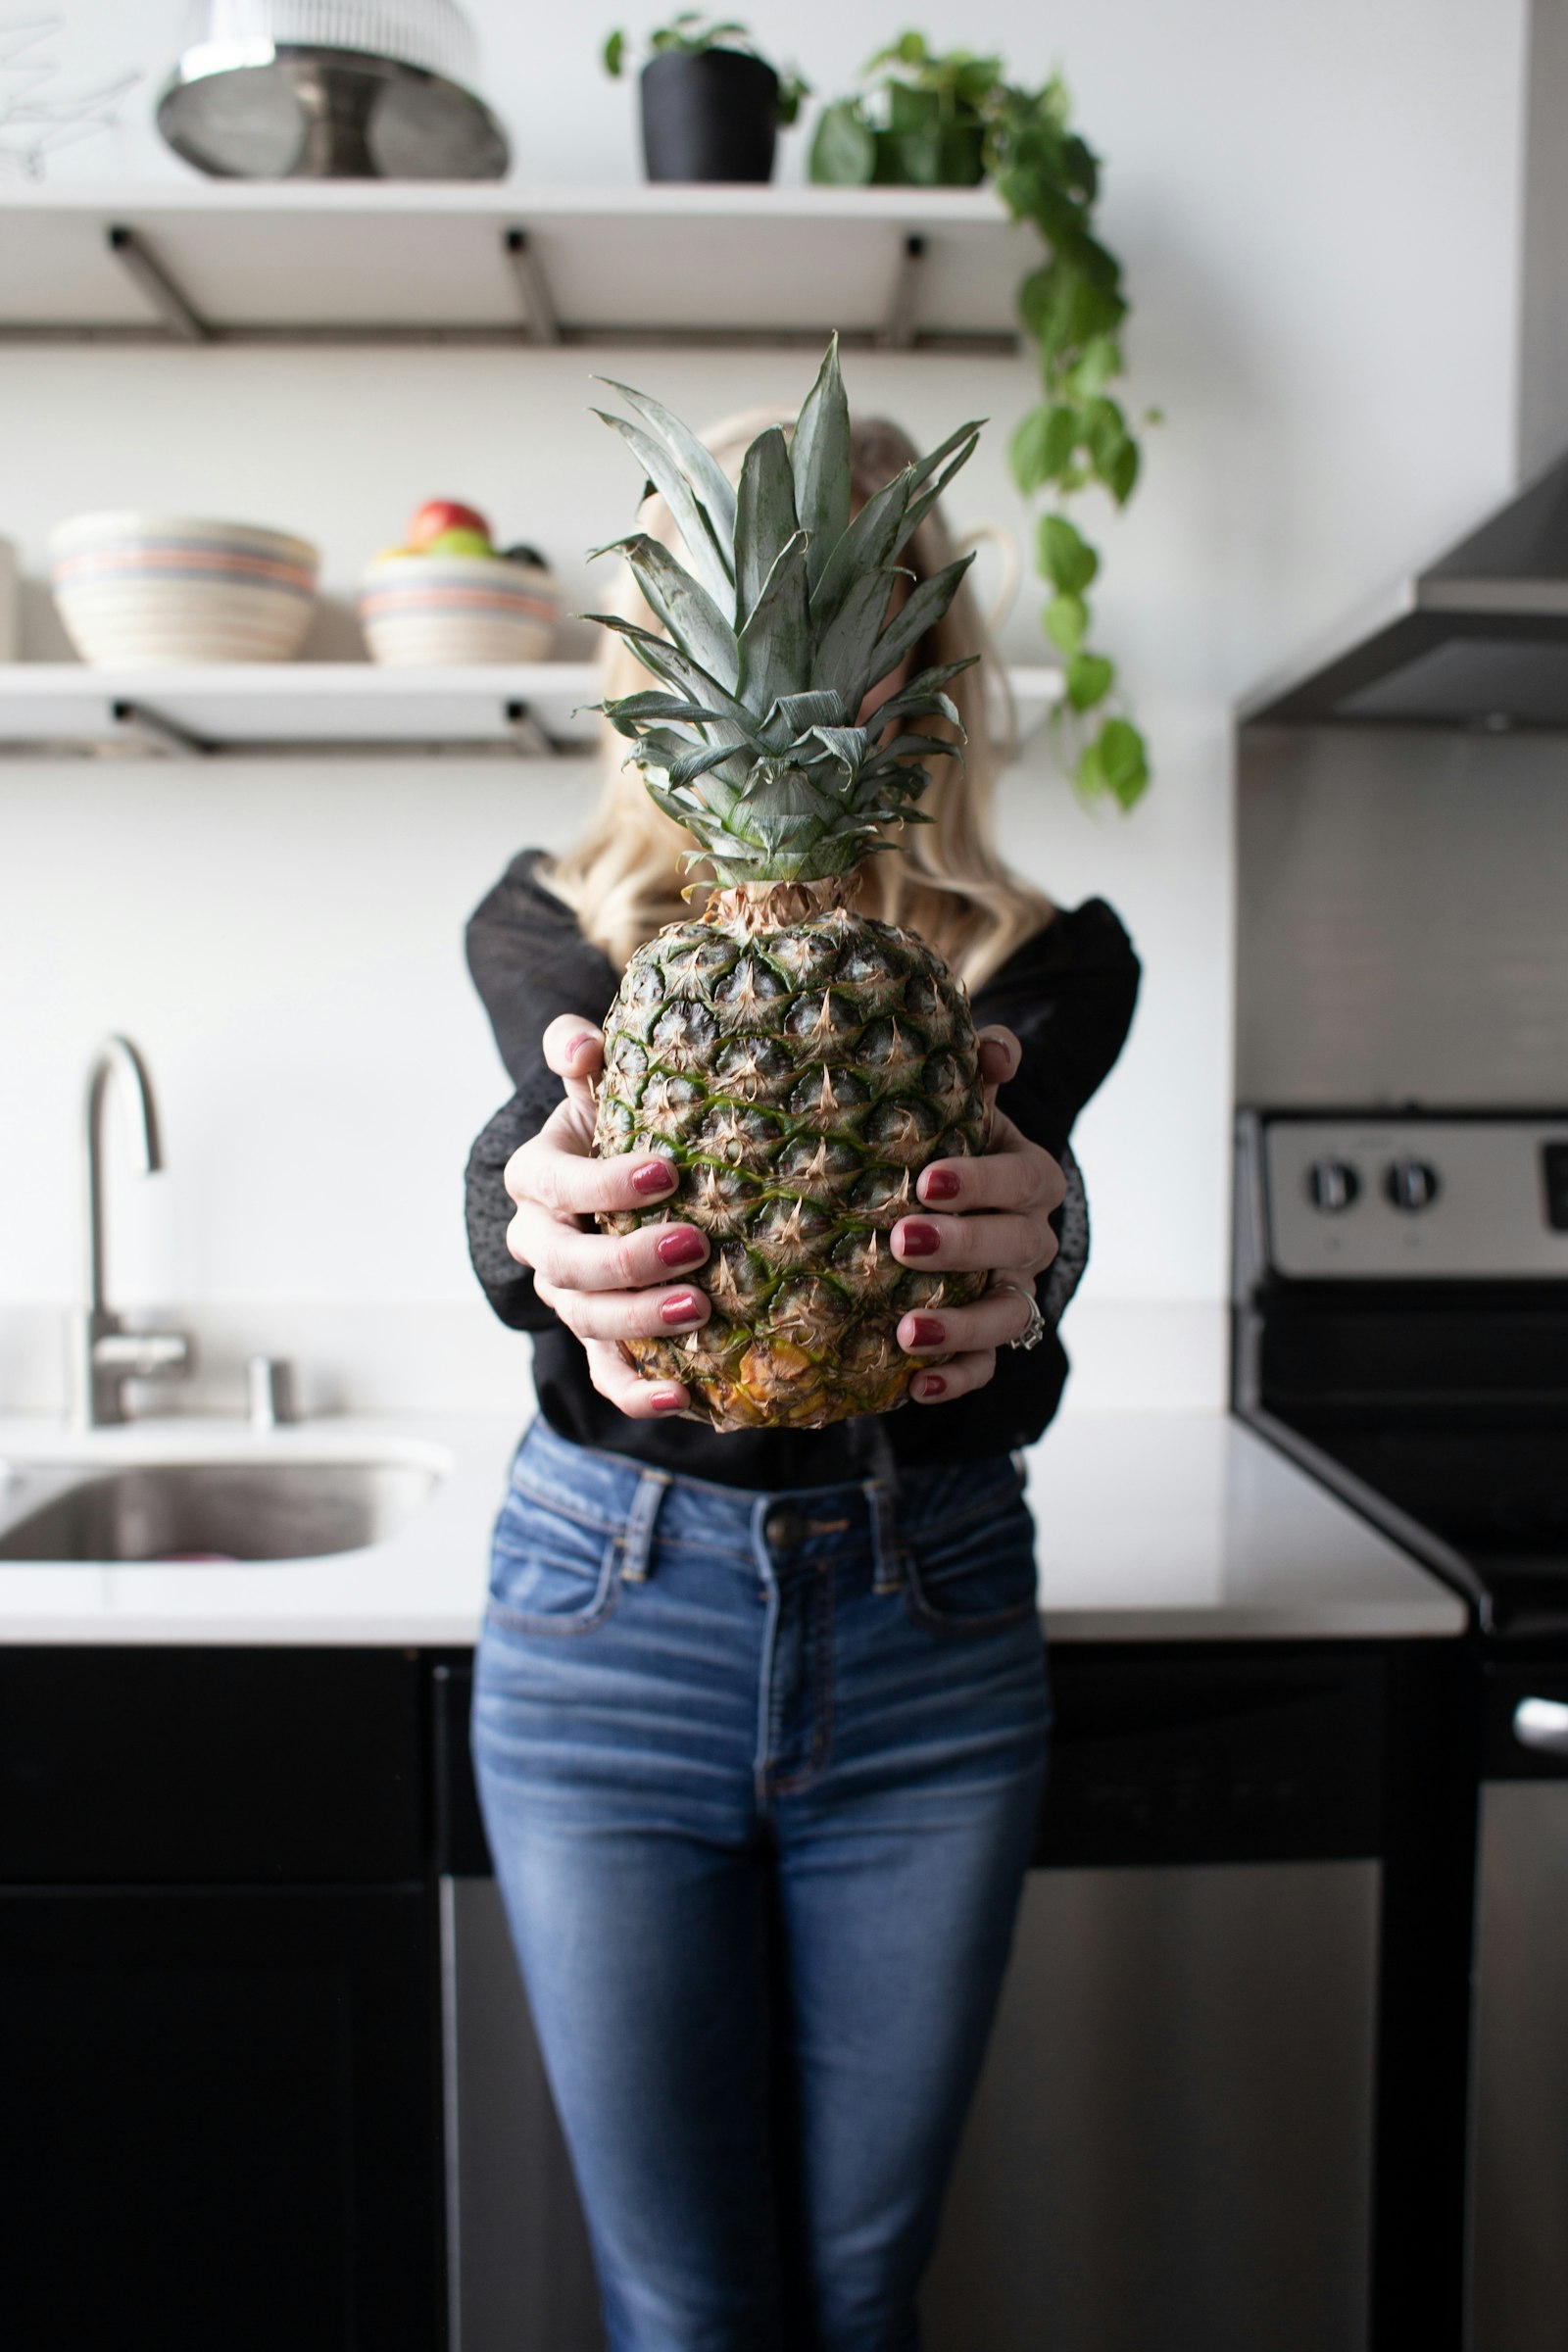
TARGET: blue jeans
(760,1775)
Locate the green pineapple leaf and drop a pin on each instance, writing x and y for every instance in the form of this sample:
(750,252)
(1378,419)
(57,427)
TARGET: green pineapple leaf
(632,710)
(695,461)
(692,519)
(820,461)
(847,745)
(922,608)
(919,747)
(796,714)
(694,764)
(679,671)
(847,646)
(765,520)
(690,614)
(887,522)
(920,507)
(864,546)
(776,643)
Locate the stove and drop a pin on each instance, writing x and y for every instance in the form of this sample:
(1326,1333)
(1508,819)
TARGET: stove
(1402,1331)
(1403,1325)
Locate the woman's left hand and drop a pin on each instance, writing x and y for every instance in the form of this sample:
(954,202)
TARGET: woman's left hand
(997,1216)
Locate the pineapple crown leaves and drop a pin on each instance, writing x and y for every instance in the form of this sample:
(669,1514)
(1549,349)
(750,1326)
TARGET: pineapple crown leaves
(774,630)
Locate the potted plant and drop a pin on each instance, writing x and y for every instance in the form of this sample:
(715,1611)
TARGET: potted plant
(711,105)
(952,118)
(919,120)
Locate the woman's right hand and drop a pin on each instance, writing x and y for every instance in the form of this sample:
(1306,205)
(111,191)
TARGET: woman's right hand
(605,1287)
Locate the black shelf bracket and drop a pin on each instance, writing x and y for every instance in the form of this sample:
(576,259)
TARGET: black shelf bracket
(182,322)
(150,727)
(528,736)
(900,332)
(544,326)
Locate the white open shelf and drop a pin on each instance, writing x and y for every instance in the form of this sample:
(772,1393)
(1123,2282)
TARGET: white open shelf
(225,261)
(330,706)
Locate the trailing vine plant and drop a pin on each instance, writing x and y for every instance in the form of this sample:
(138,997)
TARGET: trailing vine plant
(951,118)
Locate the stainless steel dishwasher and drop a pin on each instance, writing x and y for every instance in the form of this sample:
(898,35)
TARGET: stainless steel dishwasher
(1175,2141)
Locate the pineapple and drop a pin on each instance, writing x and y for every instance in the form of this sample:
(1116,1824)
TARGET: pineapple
(797,1063)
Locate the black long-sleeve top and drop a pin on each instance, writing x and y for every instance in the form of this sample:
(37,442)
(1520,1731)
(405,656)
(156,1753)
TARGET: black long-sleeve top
(1068,995)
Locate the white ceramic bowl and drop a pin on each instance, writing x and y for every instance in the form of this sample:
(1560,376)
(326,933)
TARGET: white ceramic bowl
(426,611)
(177,588)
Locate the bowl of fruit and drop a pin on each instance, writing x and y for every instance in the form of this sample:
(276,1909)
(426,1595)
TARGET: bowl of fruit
(450,595)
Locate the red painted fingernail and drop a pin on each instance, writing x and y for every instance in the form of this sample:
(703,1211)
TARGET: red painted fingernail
(682,1248)
(654,1176)
(928,1332)
(932,1384)
(684,1307)
(668,1400)
(939,1184)
(917,1239)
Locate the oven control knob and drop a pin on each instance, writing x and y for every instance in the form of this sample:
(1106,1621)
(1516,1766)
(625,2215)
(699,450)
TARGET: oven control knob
(1333,1184)
(1411,1184)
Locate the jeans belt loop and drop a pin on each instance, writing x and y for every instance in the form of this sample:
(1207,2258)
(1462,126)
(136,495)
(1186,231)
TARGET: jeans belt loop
(888,1568)
(637,1536)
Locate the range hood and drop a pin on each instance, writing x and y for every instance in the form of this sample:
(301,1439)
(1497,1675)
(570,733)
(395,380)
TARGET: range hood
(1478,640)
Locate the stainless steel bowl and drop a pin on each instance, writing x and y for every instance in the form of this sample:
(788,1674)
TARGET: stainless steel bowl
(249,110)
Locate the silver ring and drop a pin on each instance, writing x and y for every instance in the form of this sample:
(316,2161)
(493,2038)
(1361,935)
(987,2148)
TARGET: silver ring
(1034,1331)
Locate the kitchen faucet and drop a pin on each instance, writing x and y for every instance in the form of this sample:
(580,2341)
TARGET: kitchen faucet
(105,1354)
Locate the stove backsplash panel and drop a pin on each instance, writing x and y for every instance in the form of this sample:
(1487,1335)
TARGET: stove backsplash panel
(1402,917)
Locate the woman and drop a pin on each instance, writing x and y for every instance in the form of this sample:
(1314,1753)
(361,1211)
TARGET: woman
(759,1718)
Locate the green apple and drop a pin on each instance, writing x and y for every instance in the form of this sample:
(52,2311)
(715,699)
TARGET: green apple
(459,543)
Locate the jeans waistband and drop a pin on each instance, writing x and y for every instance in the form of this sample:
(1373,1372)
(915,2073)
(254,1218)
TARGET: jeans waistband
(632,1501)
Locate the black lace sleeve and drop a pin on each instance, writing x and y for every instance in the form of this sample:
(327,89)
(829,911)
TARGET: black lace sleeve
(1068,995)
(529,963)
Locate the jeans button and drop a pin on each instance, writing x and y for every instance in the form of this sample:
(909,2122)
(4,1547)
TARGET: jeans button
(784,1530)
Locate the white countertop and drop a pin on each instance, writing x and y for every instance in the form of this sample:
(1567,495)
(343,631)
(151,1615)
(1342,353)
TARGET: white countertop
(1152,1526)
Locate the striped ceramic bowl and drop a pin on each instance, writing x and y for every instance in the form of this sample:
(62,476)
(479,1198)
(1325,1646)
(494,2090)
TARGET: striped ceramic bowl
(180,588)
(426,611)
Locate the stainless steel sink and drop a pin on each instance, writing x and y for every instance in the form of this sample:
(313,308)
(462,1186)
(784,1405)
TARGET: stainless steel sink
(204,1511)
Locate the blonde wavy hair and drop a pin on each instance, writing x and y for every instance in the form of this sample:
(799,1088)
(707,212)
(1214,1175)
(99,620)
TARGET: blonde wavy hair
(624,880)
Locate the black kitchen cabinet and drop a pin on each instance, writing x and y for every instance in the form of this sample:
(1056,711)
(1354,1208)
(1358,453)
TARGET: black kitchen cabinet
(220,2106)
(193,1767)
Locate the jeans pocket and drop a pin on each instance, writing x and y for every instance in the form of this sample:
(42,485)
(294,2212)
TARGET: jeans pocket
(550,1573)
(976,1576)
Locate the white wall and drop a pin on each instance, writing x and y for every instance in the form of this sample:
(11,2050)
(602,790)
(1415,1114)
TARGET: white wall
(1318,210)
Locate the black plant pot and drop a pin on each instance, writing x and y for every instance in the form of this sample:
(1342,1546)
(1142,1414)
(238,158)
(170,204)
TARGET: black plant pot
(712,114)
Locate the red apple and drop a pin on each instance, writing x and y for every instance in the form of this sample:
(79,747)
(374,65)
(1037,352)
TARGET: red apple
(439,514)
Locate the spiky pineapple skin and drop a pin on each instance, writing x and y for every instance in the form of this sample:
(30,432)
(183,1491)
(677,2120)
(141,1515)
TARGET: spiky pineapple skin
(798,1078)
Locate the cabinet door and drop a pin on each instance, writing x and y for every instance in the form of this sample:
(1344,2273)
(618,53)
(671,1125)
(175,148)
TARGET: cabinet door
(218,2126)
(191,1767)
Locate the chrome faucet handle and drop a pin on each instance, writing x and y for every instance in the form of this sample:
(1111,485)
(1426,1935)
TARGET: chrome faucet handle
(143,1355)
(109,1356)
